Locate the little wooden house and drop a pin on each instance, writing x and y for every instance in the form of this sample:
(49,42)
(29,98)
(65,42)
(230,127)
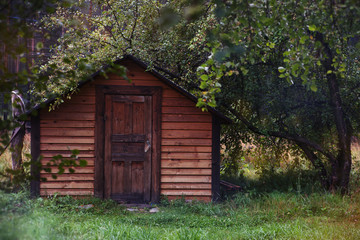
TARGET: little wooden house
(141,140)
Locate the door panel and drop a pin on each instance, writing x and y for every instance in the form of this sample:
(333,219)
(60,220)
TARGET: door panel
(128,139)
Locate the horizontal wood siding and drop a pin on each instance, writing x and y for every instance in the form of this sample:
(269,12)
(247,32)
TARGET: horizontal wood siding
(68,127)
(185,143)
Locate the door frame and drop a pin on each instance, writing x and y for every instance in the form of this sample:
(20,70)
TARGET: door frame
(156,93)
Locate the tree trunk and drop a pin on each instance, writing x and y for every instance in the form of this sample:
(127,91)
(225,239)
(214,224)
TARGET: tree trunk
(340,172)
(17,138)
(318,165)
(341,166)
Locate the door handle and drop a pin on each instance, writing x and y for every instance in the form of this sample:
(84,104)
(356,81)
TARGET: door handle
(147,146)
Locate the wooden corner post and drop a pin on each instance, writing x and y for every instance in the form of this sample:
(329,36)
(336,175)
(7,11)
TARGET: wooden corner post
(215,173)
(35,155)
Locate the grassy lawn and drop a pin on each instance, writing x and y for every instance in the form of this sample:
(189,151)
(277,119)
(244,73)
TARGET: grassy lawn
(245,216)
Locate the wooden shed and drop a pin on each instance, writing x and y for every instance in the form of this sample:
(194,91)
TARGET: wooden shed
(141,140)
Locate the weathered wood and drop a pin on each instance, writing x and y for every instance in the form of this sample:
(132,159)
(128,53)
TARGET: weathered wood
(185,126)
(68,132)
(81,99)
(99,144)
(89,161)
(109,171)
(215,159)
(186,149)
(185,134)
(68,116)
(73,139)
(125,111)
(186,164)
(128,137)
(67,154)
(35,155)
(171,93)
(63,192)
(64,146)
(182,179)
(184,156)
(174,186)
(179,192)
(192,171)
(88,169)
(180,102)
(75,107)
(66,124)
(146,173)
(186,118)
(67,185)
(186,142)
(69,177)
(184,110)
(135,83)
(156,145)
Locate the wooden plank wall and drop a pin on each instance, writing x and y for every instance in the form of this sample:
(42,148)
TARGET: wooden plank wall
(185,146)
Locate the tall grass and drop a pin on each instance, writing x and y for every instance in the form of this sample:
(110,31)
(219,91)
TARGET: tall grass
(245,216)
(5,158)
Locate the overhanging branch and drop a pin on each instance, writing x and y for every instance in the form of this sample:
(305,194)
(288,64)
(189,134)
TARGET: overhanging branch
(291,137)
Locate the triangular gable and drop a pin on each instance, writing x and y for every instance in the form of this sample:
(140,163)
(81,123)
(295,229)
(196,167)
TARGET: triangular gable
(162,78)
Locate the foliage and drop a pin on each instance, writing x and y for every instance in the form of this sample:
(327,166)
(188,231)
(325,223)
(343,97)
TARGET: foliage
(113,29)
(20,178)
(246,216)
(289,70)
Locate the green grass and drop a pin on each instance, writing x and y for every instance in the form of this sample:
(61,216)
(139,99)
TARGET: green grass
(244,216)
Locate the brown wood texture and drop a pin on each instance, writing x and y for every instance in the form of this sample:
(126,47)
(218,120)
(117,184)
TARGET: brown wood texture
(63,192)
(185,136)
(128,128)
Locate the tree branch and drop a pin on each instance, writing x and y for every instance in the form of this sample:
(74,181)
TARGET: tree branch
(292,137)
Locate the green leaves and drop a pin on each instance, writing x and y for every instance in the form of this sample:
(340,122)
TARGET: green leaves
(312,28)
(204,77)
(281,69)
(39,46)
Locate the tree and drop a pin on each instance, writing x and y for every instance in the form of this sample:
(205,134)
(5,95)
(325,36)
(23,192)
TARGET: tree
(16,32)
(283,69)
(147,29)
(289,70)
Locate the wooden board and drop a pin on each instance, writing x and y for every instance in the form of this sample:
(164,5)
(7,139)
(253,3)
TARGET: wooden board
(56,115)
(71,139)
(186,142)
(89,161)
(68,132)
(187,172)
(184,156)
(185,126)
(170,186)
(69,177)
(179,192)
(87,169)
(64,146)
(67,124)
(178,134)
(186,164)
(186,149)
(63,192)
(186,118)
(186,139)
(67,185)
(185,179)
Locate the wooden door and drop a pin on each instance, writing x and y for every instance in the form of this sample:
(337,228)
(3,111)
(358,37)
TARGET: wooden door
(127,149)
